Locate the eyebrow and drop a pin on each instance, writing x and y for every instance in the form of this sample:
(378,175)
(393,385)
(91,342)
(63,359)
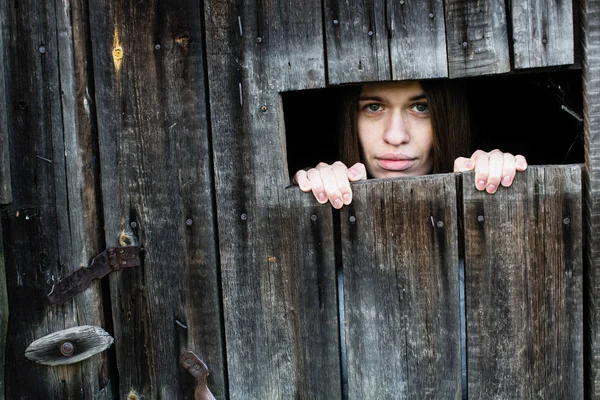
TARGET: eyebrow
(417,97)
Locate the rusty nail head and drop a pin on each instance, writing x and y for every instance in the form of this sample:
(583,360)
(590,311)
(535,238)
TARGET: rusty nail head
(67,349)
(263,108)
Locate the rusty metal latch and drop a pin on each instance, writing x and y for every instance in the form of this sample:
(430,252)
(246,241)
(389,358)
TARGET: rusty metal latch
(194,364)
(112,259)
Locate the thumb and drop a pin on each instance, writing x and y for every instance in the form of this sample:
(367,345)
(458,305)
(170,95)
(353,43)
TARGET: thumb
(463,164)
(357,172)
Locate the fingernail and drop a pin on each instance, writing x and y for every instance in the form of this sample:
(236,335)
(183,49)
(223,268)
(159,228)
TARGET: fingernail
(322,196)
(347,198)
(506,180)
(337,203)
(480,185)
(491,188)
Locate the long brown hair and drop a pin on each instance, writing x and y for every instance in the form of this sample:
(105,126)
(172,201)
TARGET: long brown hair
(449,119)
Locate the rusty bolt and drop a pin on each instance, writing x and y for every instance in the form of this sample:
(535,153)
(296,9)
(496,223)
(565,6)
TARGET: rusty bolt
(67,349)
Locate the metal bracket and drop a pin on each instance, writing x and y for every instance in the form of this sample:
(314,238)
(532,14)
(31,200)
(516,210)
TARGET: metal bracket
(195,366)
(112,259)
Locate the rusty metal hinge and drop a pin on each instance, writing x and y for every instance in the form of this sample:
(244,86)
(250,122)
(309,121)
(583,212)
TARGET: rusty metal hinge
(111,259)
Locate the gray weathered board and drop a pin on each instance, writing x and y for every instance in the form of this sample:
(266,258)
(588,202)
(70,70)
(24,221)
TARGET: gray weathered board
(401,289)
(5,184)
(157,193)
(523,279)
(52,226)
(590,15)
(277,266)
(542,32)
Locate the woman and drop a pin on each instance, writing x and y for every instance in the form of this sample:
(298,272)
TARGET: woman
(407,128)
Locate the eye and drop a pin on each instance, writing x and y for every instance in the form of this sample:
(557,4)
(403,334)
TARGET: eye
(374,107)
(420,108)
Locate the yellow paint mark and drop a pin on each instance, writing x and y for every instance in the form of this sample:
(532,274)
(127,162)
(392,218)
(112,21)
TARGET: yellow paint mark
(272,259)
(132,395)
(117,51)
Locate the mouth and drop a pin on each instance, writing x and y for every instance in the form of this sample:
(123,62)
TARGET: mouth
(392,162)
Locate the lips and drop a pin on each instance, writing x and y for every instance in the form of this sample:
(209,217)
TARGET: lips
(395,162)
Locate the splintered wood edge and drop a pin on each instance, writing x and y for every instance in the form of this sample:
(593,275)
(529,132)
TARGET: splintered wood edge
(86,339)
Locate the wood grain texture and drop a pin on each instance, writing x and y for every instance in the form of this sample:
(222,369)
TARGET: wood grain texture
(523,279)
(3,316)
(5,178)
(590,16)
(418,39)
(542,33)
(157,193)
(356,35)
(278,269)
(477,38)
(85,341)
(50,229)
(401,298)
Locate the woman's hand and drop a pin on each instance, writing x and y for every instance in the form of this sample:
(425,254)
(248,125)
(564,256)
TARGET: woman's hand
(331,182)
(491,169)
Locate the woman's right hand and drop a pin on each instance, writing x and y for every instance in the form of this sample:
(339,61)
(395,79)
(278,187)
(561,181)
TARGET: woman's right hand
(331,182)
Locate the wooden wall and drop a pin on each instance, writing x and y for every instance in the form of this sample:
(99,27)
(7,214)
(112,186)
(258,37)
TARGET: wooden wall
(160,124)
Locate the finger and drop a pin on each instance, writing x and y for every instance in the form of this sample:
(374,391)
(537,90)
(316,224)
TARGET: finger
(317,186)
(521,163)
(302,181)
(508,169)
(481,161)
(357,172)
(341,173)
(463,164)
(495,169)
(330,183)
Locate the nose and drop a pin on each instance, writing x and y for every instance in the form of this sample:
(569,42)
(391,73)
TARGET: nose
(397,129)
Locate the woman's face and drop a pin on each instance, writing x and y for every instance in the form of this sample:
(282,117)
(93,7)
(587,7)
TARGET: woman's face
(394,129)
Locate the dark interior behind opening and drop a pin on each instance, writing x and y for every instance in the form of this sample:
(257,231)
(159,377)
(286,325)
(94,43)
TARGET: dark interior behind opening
(534,114)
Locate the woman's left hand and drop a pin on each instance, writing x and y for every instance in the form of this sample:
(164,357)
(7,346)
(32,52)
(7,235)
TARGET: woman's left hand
(492,169)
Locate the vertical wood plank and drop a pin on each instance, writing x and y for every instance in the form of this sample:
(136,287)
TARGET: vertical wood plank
(157,193)
(278,268)
(477,38)
(523,275)
(418,39)
(3,316)
(356,35)
(590,16)
(401,299)
(542,33)
(51,228)
(5,184)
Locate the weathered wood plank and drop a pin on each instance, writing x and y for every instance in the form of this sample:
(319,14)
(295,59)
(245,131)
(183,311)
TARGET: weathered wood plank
(69,346)
(590,16)
(277,264)
(401,289)
(51,228)
(356,35)
(5,185)
(3,316)
(523,274)
(157,193)
(542,33)
(477,38)
(418,39)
